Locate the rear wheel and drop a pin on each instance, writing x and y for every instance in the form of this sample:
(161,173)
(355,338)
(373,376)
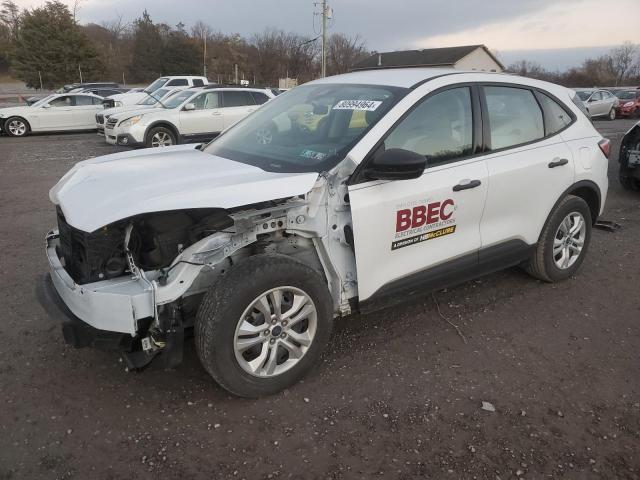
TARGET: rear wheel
(160,137)
(16,127)
(263,325)
(564,241)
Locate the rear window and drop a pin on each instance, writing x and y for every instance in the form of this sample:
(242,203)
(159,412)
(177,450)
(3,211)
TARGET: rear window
(514,116)
(237,99)
(178,82)
(197,82)
(556,117)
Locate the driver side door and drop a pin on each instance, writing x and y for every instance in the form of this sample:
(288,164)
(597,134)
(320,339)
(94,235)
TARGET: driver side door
(418,233)
(58,114)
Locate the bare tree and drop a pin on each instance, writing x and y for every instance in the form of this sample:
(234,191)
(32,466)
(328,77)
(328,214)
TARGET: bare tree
(624,59)
(344,52)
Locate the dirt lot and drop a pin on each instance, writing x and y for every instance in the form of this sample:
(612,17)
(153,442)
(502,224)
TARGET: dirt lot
(398,394)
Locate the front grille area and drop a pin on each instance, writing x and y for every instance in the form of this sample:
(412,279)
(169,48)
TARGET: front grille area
(90,257)
(99,118)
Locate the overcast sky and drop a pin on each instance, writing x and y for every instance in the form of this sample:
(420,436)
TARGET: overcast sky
(561,33)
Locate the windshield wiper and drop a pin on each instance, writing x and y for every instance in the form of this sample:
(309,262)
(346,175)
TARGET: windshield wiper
(155,98)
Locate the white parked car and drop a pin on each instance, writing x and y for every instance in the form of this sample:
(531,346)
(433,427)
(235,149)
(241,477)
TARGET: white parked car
(599,103)
(131,98)
(150,101)
(381,184)
(55,113)
(192,115)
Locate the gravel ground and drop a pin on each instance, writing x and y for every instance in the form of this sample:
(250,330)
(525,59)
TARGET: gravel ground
(398,394)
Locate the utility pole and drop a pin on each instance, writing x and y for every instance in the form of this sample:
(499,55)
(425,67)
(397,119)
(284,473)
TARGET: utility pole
(324,39)
(204,57)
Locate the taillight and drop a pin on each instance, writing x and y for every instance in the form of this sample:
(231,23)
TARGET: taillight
(605,146)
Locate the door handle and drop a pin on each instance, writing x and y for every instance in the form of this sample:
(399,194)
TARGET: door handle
(466,185)
(558,162)
(216,114)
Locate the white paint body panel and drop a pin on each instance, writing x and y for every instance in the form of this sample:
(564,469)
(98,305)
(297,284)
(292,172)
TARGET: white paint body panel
(100,191)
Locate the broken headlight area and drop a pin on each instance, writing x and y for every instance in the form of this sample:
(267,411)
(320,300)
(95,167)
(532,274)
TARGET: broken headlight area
(155,241)
(630,148)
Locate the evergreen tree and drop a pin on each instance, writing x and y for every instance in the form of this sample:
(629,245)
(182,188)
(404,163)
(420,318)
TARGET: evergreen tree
(181,56)
(50,42)
(146,61)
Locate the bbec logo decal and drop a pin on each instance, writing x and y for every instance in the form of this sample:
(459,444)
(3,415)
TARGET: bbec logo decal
(424,222)
(424,215)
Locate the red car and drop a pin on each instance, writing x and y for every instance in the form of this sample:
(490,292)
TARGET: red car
(629,103)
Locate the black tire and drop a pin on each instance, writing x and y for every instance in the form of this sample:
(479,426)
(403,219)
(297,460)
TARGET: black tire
(627,181)
(542,264)
(226,302)
(160,131)
(20,120)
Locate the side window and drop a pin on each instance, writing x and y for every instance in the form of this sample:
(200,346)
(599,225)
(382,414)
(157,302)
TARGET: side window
(260,98)
(441,127)
(556,117)
(83,100)
(596,97)
(97,101)
(197,82)
(237,99)
(207,101)
(178,82)
(66,101)
(514,116)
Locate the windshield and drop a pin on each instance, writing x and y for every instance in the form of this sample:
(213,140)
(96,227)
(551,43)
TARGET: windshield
(584,95)
(156,85)
(176,100)
(308,129)
(42,101)
(152,99)
(626,95)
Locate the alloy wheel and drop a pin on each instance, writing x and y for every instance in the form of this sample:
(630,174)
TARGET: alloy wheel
(569,240)
(161,139)
(275,332)
(17,128)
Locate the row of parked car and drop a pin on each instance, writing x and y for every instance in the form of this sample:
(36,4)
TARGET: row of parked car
(171,110)
(611,103)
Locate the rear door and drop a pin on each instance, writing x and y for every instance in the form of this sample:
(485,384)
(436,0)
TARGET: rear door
(529,166)
(206,120)
(84,111)
(237,105)
(422,230)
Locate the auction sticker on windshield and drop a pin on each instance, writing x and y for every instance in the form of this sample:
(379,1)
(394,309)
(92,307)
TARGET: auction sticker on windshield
(367,105)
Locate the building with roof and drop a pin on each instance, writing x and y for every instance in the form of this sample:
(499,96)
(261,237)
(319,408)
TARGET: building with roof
(470,57)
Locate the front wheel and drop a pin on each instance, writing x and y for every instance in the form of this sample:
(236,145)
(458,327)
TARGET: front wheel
(612,114)
(263,325)
(564,241)
(160,137)
(627,180)
(16,127)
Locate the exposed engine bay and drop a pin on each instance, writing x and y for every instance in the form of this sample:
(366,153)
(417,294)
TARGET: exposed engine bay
(630,151)
(155,239)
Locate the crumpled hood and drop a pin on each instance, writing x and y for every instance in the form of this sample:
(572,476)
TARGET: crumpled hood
(100,191)
(130,111)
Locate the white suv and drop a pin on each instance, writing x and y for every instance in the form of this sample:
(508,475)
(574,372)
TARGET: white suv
(193,115)
(131,98)
(151,100)
(371,186)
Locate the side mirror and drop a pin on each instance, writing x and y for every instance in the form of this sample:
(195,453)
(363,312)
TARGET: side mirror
(190,106)
(46,105)
(396,164)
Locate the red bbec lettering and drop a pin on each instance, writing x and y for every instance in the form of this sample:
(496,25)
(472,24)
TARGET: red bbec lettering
(433,212)
(403,220)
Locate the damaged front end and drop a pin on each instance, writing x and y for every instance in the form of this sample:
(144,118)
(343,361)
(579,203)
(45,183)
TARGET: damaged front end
(629,159)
